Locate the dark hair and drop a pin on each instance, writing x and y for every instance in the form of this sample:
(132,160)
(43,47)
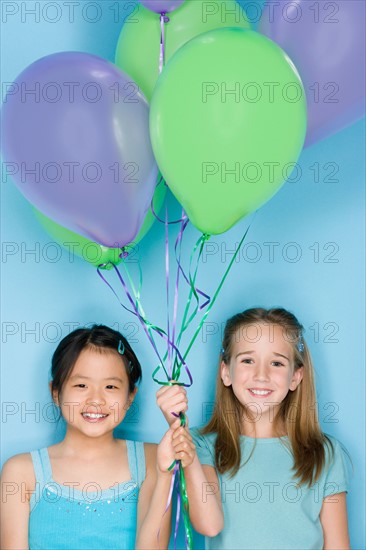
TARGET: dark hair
(98,337)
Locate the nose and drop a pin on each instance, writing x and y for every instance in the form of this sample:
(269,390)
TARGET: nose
(95,398)
(261,372)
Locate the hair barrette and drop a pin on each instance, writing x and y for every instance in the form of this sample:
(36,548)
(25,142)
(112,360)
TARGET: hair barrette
(300,345)
(121,351)
(121,348)
(222,351)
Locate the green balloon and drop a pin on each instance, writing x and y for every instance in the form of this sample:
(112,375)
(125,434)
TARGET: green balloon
(227,124)
(94,253)
(138,47)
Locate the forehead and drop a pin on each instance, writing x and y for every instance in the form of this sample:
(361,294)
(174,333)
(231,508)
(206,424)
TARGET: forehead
(99,364)
(257,335)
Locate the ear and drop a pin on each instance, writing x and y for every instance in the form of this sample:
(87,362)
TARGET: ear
(131,397)
(54,395)
(296,378)
(225,374)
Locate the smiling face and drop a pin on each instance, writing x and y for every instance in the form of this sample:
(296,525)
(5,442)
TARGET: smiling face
(95,397)
(261,369)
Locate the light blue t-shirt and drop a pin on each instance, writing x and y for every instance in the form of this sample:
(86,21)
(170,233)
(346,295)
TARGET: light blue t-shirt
(67,517)
(264,508)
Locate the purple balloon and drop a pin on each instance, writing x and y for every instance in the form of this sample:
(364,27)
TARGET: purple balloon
(325,40)
(161,6)
(76,142)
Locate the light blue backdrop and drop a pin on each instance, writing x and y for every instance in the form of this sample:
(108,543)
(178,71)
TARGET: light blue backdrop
(304,251)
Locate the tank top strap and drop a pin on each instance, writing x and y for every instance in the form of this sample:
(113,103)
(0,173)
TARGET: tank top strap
(136,460)
(42,472)
(42,466)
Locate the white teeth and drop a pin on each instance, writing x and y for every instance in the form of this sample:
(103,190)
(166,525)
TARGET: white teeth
(261,392)
(94,415)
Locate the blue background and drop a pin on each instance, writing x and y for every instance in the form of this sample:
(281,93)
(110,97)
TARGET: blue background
(316,270)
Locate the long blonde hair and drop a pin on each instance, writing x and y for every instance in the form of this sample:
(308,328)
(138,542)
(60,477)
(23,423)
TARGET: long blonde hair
(307,441)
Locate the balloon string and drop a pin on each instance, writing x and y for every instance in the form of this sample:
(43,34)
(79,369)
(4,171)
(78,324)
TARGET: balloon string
(193,292)
(163,21)
(184,215)
(189,279)
(178,473)
(137,307)
(147,326)
(181,488)
(169,368)
(192,283)
(177,516)
(182,497)
(137,293)
(178,251)
(217,292)
(178,478)
(158,330)
(186,519)
(173,467)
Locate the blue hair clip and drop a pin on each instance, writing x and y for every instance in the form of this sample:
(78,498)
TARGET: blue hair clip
(121,351)
(300,345)
(222,351)
(121,348)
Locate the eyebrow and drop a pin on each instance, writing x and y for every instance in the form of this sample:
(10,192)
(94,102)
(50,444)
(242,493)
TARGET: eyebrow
(244,353)
(252,351)
(281,355)
(88,378)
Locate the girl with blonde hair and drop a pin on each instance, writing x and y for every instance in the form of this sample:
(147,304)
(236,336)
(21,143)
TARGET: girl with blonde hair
(265,476)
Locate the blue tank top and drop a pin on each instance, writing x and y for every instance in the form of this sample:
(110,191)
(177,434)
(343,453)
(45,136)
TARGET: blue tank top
(65,517)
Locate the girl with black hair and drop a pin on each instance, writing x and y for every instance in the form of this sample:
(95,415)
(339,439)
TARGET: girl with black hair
(91,490)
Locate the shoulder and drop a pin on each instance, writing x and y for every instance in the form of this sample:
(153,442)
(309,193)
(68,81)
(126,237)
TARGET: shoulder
(150,453)
(18,469)
(205,446)
(141,450)
(18,464)
(146,456)
(337,468)
(203,440)
(150,456)
(333,440)
(334,448)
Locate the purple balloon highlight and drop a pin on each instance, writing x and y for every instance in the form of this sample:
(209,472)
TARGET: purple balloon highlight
(76,143)
(161,6)
(325,40)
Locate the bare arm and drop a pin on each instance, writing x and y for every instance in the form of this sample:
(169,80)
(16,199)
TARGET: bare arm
(153,526)
(17,481)
(202,483)
(333,517)
(204,499)
(202,488)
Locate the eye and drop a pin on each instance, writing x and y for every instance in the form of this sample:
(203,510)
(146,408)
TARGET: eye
(277,364)
(80,386)
(111,387)
(247,361)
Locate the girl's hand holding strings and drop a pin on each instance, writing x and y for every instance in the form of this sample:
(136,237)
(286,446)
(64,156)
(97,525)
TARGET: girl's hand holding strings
(177,444)
(183,445)
(172,399)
